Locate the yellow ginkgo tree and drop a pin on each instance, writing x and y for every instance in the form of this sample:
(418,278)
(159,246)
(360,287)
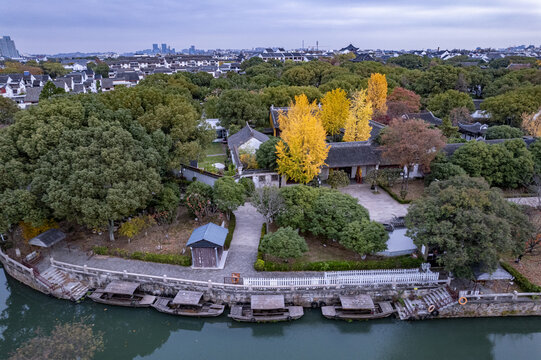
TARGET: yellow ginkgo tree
(334,111)
(302,149)
(377,93)
(357,126)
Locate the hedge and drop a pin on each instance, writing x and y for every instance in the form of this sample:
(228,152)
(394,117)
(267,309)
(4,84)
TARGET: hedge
(173,259)
(399,262)
(524,284)
(394,196)
(232,225)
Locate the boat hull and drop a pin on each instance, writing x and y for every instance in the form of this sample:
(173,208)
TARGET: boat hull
(336,312)
(243,314)
(145,301)
(207,310)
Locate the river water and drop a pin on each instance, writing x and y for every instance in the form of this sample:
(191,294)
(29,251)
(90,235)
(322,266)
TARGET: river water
(147,334)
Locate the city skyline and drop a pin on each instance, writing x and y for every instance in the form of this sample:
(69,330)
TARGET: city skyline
(130,26)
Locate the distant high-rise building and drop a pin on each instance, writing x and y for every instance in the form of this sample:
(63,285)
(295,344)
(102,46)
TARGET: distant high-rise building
(7,48)
(192,50)
(155,48)
(164,48)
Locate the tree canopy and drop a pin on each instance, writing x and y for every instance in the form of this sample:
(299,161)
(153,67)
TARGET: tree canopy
(468,223)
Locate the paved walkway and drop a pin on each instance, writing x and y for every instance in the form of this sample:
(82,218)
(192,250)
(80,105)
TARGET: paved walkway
(382,207)
(241,256)
(530,201)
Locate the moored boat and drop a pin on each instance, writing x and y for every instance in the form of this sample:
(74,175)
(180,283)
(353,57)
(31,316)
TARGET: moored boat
(122,293)
(188,303)
(265,308)
(358,307)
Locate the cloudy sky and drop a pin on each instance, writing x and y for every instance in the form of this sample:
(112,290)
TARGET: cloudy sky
(39,26)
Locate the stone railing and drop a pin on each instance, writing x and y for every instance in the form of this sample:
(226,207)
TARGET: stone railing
(512,296)
(249,284)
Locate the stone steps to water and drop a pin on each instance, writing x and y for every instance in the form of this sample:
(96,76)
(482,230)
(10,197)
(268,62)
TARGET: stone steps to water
(64,285)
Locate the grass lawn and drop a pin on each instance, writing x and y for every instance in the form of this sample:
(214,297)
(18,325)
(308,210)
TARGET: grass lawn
(215,148)
(416,188)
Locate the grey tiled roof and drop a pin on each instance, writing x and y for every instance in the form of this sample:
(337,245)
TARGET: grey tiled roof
(32,94)
(450,149)
(245,134)
(356,153)
(426,116)
(476,128)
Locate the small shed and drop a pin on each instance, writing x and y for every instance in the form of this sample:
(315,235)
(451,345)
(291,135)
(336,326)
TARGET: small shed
(48,238)
(207,245)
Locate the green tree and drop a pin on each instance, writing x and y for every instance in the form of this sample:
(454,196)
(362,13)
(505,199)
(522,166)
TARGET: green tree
(67,341)
(249,186)
(507,109)
(468,223)
(54,69)
(228,195)
(8,108)
(442,104)
(442,171)
(507,164)
(200,200)
(299,76)
(410,61)
(337,178)
(237,107)
(299,201)
(99,68)
(503,132)
(49,90)
(266,154)
(364,237)
(284,243)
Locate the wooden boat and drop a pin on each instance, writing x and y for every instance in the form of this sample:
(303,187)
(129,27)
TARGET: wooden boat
(188,303)
(265,308)
(358,307)
(122,293)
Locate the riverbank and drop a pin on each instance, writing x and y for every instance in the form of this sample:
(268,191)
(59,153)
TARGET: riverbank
(151,335)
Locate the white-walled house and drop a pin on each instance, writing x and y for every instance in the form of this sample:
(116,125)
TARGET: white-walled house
(246,140)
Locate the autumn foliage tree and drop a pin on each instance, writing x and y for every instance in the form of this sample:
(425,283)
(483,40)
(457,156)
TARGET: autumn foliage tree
(357,127)
(531,123)
(302,150)
(402,101)
(334,111)
(377,93)
(409,143)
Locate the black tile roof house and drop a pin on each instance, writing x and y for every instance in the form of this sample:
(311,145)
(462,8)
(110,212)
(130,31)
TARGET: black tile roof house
(426,116)
(235,141)
(472,131)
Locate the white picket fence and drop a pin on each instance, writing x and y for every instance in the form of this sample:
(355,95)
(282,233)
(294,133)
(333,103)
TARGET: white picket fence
(363,277)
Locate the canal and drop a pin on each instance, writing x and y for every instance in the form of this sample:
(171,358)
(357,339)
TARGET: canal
(147,334)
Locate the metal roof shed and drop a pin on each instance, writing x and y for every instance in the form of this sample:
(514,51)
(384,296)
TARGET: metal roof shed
(207,245)
(358,302)
(187,298)
(48,238)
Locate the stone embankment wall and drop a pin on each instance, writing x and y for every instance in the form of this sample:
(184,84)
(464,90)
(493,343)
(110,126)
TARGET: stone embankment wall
(231,295)
(493,308)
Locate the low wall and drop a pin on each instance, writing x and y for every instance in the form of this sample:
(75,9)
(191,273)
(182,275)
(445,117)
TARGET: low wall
(190,172)
(493,308)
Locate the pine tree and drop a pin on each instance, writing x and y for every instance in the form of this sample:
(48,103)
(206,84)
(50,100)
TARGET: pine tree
(357,126)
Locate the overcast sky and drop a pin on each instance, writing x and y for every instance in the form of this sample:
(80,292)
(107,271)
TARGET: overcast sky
(39,26)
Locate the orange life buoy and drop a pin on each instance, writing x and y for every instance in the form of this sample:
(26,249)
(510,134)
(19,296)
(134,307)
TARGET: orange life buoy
(431,308)
(463,301)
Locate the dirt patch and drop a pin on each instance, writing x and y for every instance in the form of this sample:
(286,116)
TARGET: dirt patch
(159,239)
(416,188)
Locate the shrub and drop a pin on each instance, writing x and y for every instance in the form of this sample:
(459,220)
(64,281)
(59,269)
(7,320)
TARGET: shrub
(135,225)
(337,179)
(173,259)
(199,199)
(30,231)
(248,184)
(231,230)
(524,284)
(284,243)
(443,171)
(364,237)
(399,262)
(503,132)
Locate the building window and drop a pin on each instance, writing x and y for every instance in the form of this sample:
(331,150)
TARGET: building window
(275,178)
(262,178)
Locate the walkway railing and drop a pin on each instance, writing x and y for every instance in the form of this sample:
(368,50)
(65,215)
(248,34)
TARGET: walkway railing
(500,296)
(264,283)
(368,277)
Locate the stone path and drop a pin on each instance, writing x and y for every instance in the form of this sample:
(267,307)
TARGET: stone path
(530,201)
(241,257)
(382,207)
